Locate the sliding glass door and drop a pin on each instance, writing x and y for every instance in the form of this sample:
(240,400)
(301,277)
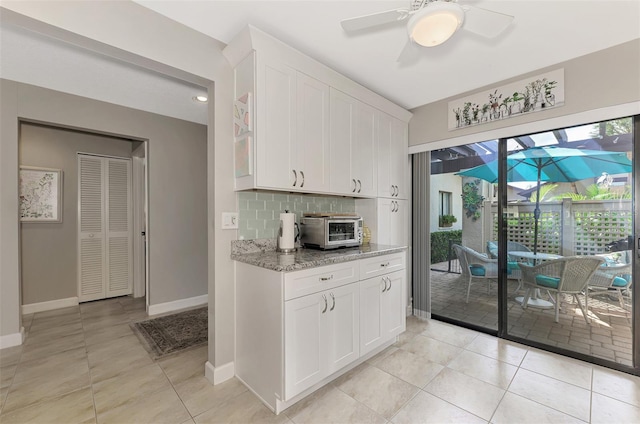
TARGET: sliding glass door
(532,239)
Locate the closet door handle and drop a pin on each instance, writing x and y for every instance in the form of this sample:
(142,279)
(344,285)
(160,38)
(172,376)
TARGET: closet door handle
(325,304)
(295,176)
(302,184)
(334,302)
(355,185)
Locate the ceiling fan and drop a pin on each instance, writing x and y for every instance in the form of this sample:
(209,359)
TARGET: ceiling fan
(432,22)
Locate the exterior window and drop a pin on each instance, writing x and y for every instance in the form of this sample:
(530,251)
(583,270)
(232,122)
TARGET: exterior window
(445,203)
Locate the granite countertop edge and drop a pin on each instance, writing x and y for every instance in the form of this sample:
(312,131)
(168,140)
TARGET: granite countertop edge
(312,258)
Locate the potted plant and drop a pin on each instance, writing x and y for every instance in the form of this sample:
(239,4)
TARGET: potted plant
(446,220)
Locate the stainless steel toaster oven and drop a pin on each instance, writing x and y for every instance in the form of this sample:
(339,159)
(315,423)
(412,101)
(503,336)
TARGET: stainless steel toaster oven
(331,232)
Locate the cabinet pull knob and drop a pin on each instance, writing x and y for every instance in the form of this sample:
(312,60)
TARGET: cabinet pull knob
(334,302)
(355,185)
(302,183)
(325,304)
(384,265)
(326,278)
(295,176)
(359,186)
(384,289)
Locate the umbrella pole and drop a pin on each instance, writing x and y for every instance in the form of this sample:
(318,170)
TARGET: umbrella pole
(536,215)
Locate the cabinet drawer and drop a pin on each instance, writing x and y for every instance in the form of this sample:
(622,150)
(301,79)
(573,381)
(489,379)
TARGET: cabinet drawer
(313,280)
(380,265)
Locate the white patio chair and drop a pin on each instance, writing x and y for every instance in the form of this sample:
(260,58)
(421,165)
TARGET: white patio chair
(513,263)
(476,267)
(613,276)
(568,275)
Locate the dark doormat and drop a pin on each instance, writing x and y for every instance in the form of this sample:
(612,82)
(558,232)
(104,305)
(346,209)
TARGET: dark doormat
(174,333)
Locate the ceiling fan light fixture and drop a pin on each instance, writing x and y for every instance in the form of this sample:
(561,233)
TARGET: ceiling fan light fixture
(435,23)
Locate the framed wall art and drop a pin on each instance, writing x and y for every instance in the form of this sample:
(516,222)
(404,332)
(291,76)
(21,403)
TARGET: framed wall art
(40,194)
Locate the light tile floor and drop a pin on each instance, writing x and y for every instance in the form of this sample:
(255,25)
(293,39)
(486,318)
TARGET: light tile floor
(84,365)
(608,336)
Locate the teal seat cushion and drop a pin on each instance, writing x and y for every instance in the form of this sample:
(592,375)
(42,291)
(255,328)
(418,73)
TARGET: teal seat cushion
(512,266)
(620,282)
(546,281)
(477,270)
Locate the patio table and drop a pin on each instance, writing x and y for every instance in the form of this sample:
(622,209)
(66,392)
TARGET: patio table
(535,300)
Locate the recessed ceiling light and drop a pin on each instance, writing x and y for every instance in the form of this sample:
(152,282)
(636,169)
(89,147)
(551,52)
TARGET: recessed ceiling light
(201,98)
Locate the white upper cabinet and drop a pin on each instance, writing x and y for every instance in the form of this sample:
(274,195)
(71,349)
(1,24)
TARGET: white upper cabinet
(393,157)
(353,146)
(312,135)
(276,126)
(292,148)
(315,130)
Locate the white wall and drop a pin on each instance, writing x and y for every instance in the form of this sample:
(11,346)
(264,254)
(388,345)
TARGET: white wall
(135,34)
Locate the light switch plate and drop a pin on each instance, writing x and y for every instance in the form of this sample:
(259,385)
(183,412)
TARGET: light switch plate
(229,220)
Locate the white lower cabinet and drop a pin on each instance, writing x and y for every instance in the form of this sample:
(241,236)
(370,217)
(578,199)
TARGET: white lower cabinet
(321,336)
(298,330)
(381,310)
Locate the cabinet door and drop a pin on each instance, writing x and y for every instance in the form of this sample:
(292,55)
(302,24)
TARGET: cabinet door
(365,151)
(393,312)
(276,126)
(371,331)
(306,350)
(343,326)
(399,158)
(312,134)
(342,142)
(393,157)
(392,222)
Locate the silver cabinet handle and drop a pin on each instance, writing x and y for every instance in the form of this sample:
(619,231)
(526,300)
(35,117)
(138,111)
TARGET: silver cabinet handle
(397,191)
(295,176)
(355,185)
(334,302)
(385,285)
(384,265)
(392,190)
(302,184)
(359,186)
(389,280)
(326,278)
(325,304)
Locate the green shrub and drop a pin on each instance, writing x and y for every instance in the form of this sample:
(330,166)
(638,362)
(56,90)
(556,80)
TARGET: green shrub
(440,244)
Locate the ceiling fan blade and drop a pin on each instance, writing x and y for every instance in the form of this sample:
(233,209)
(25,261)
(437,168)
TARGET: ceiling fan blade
(374,19)
(486,23)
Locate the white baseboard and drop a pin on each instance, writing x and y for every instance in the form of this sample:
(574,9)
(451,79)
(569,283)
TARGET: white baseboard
(49,305)
(176,305)
(220,374)
(11,340)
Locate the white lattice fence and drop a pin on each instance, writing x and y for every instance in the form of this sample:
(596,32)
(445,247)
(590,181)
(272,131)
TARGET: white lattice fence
(567,228)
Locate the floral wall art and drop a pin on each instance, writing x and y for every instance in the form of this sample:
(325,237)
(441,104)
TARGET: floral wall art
(40,194)
(525,96)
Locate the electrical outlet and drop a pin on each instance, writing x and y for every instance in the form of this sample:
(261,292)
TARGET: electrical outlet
(229,220)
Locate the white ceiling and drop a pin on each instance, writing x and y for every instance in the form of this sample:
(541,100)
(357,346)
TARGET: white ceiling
(543,33)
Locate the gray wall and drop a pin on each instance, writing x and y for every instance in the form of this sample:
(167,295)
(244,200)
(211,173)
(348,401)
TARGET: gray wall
(49,251)
(177,178)
(606,78)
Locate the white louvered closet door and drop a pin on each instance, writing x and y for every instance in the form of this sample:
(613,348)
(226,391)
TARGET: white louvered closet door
(105,225)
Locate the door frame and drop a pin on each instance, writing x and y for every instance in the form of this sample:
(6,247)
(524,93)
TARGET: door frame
(140,222)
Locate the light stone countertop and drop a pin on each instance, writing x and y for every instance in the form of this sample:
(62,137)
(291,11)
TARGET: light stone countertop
(309,258)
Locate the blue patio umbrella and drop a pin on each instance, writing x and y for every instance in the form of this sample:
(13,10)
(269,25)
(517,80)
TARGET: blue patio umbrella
(552,164)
